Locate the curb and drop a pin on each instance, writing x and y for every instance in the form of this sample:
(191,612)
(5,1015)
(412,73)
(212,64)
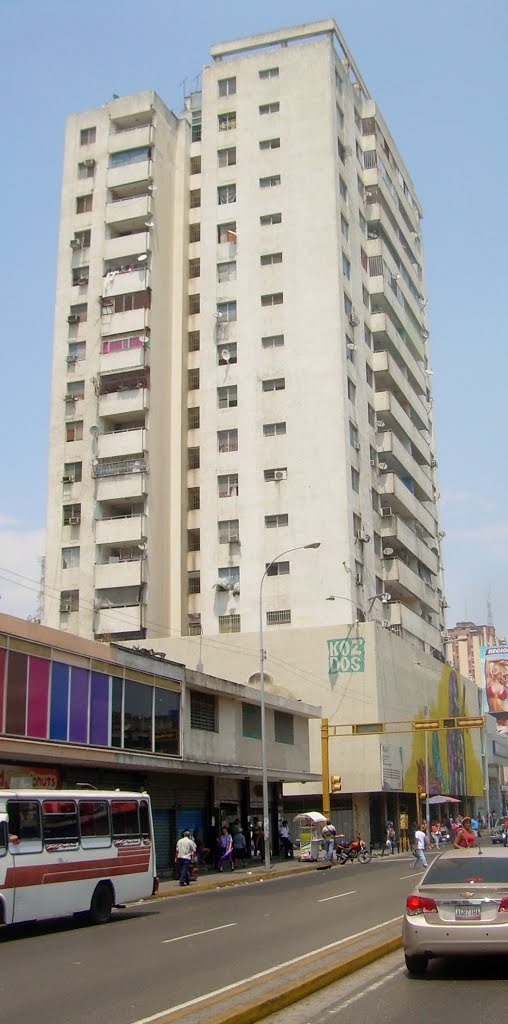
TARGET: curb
(223,883)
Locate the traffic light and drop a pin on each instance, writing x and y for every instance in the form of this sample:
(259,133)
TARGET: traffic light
(336,784)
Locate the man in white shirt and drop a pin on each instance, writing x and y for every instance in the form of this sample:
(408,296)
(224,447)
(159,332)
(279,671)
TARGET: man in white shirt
(329,834)
(185,850)
(421,841)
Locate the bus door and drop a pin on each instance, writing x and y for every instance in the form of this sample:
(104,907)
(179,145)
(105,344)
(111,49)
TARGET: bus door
(25,851)
(6,873)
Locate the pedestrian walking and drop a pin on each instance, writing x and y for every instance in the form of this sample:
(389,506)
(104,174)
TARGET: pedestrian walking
(226,849)
(421,842)
(285,841)
(390,839)
(185,850)
(436,833)
(239,847)
(329,833)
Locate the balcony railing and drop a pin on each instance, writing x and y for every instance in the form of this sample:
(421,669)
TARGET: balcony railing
(120,468)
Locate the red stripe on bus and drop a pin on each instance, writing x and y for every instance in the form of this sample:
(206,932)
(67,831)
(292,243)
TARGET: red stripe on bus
(49,874)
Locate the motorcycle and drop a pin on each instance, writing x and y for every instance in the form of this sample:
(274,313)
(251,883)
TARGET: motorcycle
(355,850)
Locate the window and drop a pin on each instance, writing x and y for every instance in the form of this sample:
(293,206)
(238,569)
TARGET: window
(338,81)
(60,821)
(270,218)
(71,514)
(351,390)
(372,456)
(227,397)
(272,341)
(346,266)
(277,569)
(274,522)
(228,485)
(87,136)
(72,472)
(69,601)
(251,721)
(194,198)
(226,232)
(344,226)
(348,305)
(193,379)
(195,232)
(353,434)
(84,204)
(195,165)
(269,73)
(371,416)
(193,458)
(25,823)
(83,238)
(227,440)
(193,341)
(355,479)
(227,86)
(226,271)
(195,267)
(193,498)
(80,276)
(274,475)
(129,156)
(270,258)
(70,558)
(357,524)
(193,418)
(367,335)
(369,375)
(227,354)
(193,583)
(284,726)
(196,126)
(272,429)
(194,624)
(374,498)
(270,182)
(226,122)
(279,618)
(74,430)
(94,820)
(229,623)
(226,312)
(194,304)
(226,194)
(203,711)
(377,551)
(365,297)
(229,531)
(86,169)
(269,144)
(130,300)
(227,157)
(275,384)
(122,343)
(76,351)
(363,223)
(269,108)
(78,314)
(228,578)
(343,188)
(275,299)
(350,349)
(124,813)
(365,261)
(75,390)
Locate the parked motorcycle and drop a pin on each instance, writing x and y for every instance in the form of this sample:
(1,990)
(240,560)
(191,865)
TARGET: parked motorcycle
(355,850)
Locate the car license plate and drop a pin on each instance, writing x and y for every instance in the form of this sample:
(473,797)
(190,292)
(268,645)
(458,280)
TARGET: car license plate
(468,913)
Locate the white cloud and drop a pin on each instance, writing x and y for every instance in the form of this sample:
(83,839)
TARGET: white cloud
(20,567)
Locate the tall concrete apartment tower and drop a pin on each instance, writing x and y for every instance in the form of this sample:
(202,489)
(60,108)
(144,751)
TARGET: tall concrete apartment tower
(241,361)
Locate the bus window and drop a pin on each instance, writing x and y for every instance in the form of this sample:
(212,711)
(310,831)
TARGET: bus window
(60,821)
(94,823)
(125,818)
(25,823)
(3,838)
(145,819)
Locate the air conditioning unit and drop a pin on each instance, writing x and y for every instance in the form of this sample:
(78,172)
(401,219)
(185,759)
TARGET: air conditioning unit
(73,318)
(89,162)
(233,538)
(362,536)
(385,623)
(386,511)
(280,474)
(373,462)
(359,579)
(82,280)
(380,424)
(383,466)
(67,479)
(353,319)
(357,446)
(74,520)
(71,398)
(65,608)
(75,243)
(72,359)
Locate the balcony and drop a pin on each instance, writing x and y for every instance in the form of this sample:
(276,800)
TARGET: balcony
(390,412)
(386,297)
(376,247)
(389,377)
(125,359)
(128,173)
(399,460)
(120,282)
(412,623)
(129,209)
(404,584)
(120,530)
(377,215)
(397,535)
(129,245)
(131,137)
(122,404)
(119,574)
(121,442)
(398,497)
(121,619)
(386,337)
(130,322)
(114,488)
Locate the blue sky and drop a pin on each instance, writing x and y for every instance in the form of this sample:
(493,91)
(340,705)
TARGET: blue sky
(437,70)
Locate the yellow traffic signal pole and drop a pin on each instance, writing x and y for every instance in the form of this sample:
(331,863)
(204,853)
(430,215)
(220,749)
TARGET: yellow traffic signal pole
(325,767)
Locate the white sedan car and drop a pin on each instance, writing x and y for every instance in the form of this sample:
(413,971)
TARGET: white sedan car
(459,908)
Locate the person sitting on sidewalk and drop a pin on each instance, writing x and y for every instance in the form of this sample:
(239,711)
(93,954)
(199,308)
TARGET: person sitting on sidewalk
(285,841)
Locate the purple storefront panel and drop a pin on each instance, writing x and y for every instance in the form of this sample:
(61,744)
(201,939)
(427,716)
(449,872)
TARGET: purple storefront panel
(78,718)
(15,705)
(99,710)
(59,701)
(2,687)
(38,698)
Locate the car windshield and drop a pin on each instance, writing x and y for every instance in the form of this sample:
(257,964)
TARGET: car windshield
(482,870)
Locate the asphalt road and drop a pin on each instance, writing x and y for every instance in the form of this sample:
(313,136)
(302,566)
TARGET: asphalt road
(468,991)
(163,953)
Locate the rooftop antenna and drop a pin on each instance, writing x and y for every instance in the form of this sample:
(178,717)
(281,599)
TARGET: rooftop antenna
(490,616)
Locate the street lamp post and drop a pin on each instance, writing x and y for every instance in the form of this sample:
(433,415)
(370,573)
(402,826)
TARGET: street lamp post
(264,766)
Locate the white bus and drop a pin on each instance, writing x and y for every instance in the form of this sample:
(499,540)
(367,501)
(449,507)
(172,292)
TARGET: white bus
(73,851)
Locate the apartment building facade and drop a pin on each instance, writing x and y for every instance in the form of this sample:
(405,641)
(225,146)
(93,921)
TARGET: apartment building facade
(241,362)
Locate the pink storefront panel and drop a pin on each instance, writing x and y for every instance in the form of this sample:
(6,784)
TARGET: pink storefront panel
(2,687)
(38,698)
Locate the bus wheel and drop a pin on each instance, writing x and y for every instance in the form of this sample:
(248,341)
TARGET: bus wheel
(101,905)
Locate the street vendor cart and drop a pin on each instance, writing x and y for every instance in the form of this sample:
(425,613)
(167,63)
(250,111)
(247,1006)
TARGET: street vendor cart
(311,835)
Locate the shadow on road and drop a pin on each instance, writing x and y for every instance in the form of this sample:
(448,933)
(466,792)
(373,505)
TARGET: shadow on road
(59,925)
(474,968)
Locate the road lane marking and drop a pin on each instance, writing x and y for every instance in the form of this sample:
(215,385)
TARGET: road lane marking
(420,872)
(352,892)
(206,931)
(263,974)
(359,995)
